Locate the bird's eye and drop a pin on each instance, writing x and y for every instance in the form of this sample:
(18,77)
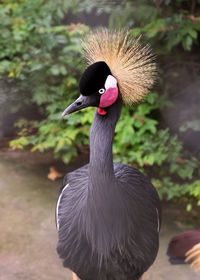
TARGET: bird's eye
(102,90)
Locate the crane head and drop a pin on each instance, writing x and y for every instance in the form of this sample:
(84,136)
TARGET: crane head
(98,88)
(119,66)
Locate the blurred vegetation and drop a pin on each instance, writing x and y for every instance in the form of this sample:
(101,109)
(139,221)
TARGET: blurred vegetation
(44,55)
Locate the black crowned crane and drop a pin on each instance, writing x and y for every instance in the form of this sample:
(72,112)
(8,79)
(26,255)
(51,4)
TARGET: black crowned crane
(108,214)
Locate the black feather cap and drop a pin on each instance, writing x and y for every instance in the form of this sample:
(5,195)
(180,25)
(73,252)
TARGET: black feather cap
(94,78)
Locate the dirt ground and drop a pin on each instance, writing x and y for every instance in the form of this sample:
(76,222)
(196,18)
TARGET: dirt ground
(27,229)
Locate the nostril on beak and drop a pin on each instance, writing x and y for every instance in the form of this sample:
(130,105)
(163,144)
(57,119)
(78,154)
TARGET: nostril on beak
(78,103)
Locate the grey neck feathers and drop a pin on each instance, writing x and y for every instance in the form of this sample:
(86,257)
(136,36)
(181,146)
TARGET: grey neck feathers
(103,196)
(101,172)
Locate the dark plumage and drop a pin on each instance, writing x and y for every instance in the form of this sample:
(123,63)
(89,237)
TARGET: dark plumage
(94,78)
(108,215)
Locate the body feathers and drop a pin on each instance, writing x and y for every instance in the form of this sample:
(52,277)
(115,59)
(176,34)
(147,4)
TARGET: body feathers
(97,252)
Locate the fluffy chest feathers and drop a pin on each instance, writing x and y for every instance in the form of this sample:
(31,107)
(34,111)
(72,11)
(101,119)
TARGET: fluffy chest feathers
(112,218)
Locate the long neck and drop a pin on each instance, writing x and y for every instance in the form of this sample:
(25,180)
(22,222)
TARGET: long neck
(103,192)
(101,171)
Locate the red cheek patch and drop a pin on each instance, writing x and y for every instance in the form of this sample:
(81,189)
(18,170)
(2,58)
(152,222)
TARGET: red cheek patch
(109,97)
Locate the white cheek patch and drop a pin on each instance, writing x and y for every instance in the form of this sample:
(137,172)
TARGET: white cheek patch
(111,82)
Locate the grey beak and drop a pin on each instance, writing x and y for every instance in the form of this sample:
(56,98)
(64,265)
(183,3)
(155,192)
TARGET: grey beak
(81,103)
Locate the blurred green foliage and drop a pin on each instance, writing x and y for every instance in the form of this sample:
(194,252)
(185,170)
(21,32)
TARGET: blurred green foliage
(44,55)
(166,24)
(171,27)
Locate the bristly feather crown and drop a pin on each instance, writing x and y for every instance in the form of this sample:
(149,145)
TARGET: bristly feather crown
(131,63)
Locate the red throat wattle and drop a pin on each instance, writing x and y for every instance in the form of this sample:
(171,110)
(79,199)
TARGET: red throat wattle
(107,99)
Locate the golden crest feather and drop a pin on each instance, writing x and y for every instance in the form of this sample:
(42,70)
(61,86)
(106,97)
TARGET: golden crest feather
(193,257)
(130,63)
